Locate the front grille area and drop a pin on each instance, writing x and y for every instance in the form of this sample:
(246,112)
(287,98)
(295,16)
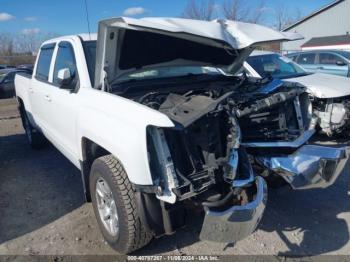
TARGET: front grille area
(283,122)
(196,152)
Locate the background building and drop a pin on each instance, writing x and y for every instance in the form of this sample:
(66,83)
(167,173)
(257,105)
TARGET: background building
(327,28)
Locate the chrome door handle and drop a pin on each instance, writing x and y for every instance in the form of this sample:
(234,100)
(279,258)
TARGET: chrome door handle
(48,98)
(320,67)
(31,90)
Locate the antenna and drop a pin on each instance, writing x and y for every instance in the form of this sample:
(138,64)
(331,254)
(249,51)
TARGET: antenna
(87,17)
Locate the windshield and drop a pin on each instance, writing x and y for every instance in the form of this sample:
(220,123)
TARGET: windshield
(161,72)
(167,72)
(90,55)
(276,66)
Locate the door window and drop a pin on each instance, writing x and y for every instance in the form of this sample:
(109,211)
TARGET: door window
(65,60)
(44,61)
(304,59)
(330,59)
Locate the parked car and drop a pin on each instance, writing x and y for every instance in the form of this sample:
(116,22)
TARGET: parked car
(27,67)
(330,93)
(7,84)
(333,62)
(152,130)
(6,66)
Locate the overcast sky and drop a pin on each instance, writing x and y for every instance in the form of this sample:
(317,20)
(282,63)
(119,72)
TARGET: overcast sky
(69,17)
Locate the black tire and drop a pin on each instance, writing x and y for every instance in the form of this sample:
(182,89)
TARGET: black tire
(132,233)
(35,138)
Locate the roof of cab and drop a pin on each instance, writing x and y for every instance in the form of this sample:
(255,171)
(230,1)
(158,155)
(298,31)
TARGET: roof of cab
(83,37)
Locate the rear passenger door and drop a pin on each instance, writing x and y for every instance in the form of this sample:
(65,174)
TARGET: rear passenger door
(330,63)
(38,91)
(307,61)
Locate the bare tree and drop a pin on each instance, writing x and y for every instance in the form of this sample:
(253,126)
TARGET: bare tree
(6,44)
(21,47)
(204,10)
(238,10)
(257,14)
(284,17)
(235,10)
(30,42)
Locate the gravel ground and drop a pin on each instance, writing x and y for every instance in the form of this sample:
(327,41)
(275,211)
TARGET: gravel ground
(42,211)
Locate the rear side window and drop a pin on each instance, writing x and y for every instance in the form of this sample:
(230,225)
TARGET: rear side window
(44,61)
(304,59)
(329,59)
(65,59)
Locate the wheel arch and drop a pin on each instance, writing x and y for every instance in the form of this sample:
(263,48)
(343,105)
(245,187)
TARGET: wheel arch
(90,152)
(21,107)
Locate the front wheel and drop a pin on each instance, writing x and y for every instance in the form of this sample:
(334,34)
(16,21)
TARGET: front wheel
(114,205)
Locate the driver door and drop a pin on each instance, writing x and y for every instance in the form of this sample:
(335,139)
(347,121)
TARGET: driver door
(62,104)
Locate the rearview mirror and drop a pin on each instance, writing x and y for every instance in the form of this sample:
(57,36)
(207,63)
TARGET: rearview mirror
(64,78)
(340,63)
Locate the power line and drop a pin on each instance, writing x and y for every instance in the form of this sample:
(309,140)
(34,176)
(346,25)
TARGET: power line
(87,18)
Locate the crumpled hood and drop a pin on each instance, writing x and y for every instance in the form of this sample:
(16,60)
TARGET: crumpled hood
(238,35)
(155,42)
(324,85)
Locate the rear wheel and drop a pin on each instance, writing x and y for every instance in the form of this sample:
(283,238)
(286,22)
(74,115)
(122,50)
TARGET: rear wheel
(35,138)
(114,205)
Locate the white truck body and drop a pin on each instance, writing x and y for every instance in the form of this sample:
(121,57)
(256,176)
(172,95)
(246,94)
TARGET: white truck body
(145,144)
(67,117)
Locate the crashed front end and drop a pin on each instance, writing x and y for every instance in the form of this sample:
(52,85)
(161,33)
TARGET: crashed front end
(222,139)
(308,167)
(278,139)
(330,96)
(226,129)
(333,115)
(203,161)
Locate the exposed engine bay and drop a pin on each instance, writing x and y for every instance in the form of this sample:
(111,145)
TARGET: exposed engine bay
(230,134)
(212,119)
(333,115)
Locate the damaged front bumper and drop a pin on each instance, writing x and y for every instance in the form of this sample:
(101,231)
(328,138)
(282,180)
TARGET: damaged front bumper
(311,166)
(237,222)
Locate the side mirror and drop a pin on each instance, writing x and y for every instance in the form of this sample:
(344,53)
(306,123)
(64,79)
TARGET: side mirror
(340,63)
(64,78)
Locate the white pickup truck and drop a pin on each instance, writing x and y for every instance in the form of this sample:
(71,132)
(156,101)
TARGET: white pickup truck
(143,111)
